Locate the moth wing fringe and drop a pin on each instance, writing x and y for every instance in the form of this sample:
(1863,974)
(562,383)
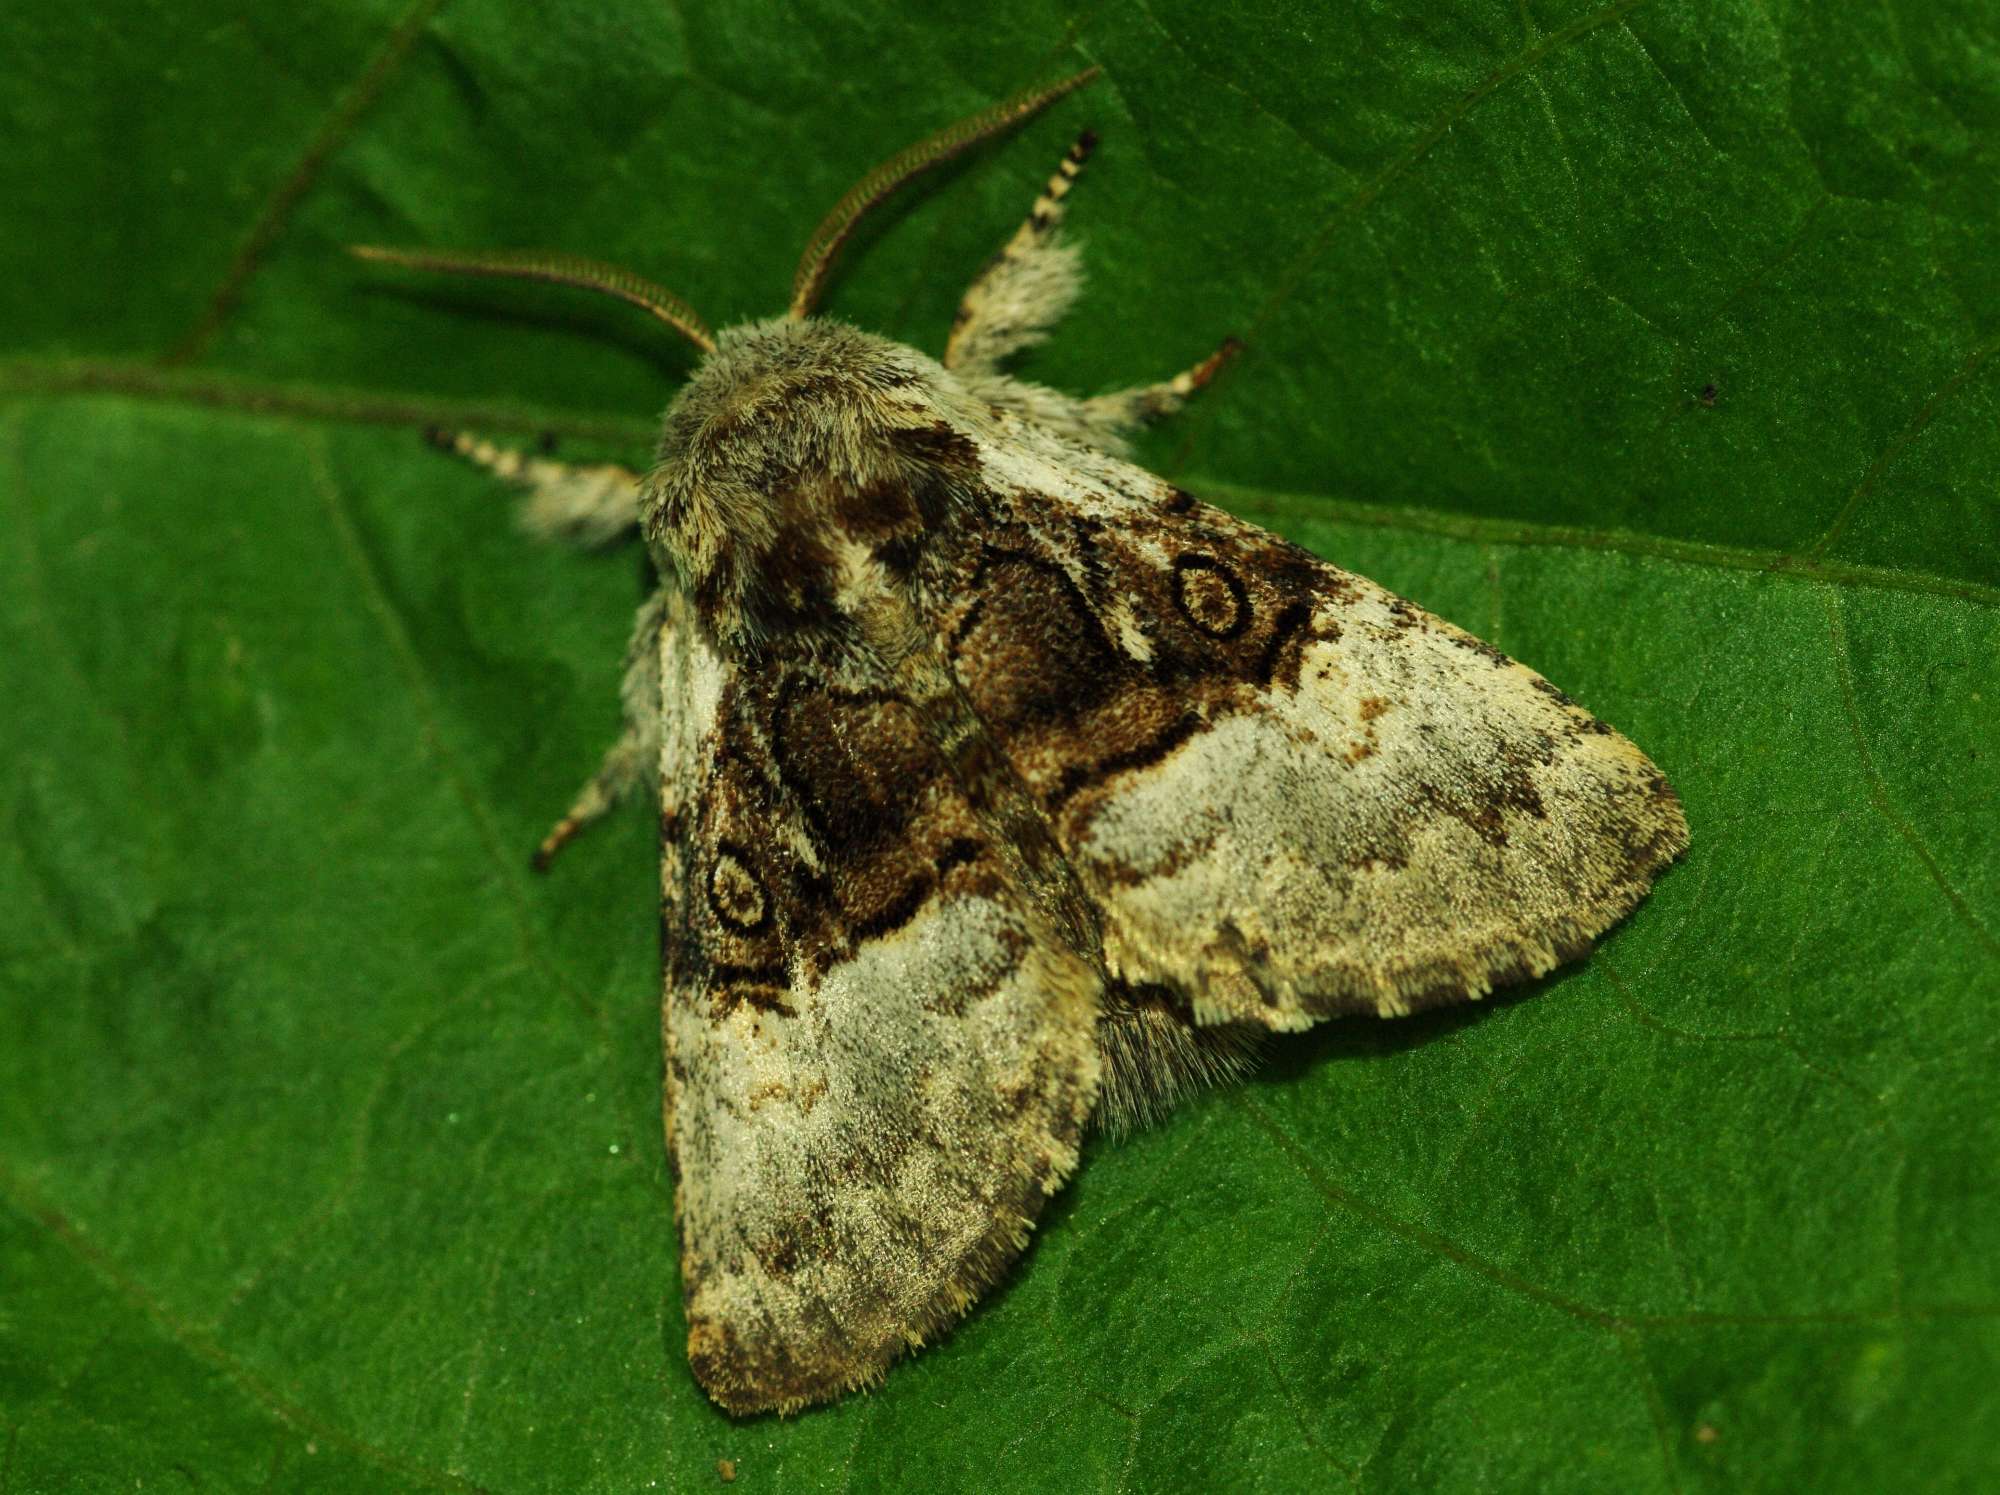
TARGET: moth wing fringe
(978,1271)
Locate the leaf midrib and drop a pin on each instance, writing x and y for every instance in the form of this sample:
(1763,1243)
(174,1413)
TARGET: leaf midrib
(39,378)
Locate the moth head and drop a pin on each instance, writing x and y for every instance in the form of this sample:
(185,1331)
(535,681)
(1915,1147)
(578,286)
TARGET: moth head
(789,430)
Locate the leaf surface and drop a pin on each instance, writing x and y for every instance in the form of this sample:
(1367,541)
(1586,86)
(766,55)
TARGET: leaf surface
(1652,343)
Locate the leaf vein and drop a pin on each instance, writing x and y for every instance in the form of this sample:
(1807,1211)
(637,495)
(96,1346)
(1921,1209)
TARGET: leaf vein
(28,377)
(17,1195)
(1449,1250)
(339,123)
(1278,507)
(416,678)
(1421,144)
(1899,443)
(1878,791)
(1656,1406)
(335,1199)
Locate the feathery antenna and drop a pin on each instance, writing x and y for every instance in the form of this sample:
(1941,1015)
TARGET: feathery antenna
(557,269)
(817,261)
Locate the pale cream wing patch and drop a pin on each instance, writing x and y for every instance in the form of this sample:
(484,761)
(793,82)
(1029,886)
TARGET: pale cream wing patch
(880,1054)
(1289,793)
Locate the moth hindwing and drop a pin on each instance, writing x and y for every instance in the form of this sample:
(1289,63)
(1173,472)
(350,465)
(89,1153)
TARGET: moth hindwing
(1005,787)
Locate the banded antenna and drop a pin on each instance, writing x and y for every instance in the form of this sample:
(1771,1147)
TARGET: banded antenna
(817,261)
(556,269)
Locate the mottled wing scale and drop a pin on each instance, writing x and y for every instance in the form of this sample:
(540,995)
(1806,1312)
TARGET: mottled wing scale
(880,1042)
(1076,790)
(1287,792)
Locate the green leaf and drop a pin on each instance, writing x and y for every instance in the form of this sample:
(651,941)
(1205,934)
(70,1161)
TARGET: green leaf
(1653,342)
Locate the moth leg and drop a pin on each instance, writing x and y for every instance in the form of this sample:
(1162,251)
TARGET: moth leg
(1027,286)
(637,750)
(1125,409)
(586,504)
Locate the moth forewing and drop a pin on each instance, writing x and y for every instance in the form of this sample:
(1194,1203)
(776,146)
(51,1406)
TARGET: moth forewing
(1003,786)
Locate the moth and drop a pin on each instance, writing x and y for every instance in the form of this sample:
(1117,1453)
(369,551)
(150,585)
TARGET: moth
(1004,788)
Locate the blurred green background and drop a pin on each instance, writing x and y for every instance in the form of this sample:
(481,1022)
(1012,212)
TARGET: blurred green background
(1652,341)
